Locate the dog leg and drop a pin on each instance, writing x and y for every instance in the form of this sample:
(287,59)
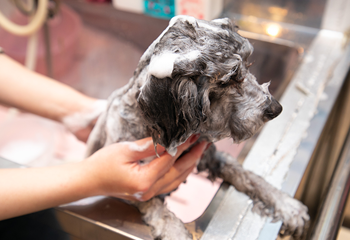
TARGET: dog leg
(163,223)
(268,200)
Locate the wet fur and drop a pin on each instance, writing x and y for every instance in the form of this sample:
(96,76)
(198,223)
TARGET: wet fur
(209,90)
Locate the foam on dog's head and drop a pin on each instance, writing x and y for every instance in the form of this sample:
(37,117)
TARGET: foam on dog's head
(198,82)
(162,65)
(189,19)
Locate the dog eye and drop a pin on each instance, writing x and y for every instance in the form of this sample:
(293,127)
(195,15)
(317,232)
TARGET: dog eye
(237,77)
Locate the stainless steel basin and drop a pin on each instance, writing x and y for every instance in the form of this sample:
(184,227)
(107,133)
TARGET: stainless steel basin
(273,62)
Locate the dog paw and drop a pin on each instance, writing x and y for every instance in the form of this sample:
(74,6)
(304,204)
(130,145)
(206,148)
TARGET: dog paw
(294,217)
(172,231)
(164,224)
(169,228)
(290,211)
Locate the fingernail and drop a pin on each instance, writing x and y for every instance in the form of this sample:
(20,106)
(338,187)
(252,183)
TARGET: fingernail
(194,138)
(208,145)
(204,148)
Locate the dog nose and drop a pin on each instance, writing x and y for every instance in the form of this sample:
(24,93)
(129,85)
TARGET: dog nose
(273,110)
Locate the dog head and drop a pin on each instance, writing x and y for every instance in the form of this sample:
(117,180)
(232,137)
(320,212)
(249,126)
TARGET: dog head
(197,81)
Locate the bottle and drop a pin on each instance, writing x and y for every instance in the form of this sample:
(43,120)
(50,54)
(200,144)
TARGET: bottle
(166,9)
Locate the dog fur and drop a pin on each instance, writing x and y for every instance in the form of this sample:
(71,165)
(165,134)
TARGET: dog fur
(194,79)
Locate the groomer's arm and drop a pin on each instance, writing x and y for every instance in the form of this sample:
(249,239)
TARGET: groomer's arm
(38,94)
(113,171)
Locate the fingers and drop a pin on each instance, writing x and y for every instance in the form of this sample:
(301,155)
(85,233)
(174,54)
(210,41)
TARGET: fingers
(143,148)
(187,161)
(177,181)
(160,188)
(186,145)
(159,166)
(161,174)
(177,173)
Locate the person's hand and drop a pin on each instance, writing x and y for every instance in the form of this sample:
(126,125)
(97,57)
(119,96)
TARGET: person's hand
(120,173)
(81,122)
(83,133)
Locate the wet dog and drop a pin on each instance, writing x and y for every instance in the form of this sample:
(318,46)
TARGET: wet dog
(194,78)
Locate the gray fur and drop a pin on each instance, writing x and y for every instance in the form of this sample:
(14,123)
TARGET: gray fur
(268,201)
(164,224)
(203,86)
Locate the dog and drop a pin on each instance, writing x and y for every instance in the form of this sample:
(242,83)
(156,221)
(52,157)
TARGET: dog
(194,79)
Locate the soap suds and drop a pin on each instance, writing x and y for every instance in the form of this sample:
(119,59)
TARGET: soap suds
(220,20)
(138,195)
(80,120)
(162,65)
(189,19)
(193,55)
(139,148)
(212,28)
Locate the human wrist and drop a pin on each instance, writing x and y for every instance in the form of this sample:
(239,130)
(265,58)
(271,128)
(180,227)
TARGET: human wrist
(84,114)
(92,179)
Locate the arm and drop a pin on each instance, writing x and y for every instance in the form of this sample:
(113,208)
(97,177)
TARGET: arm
(113,170)
(38,94)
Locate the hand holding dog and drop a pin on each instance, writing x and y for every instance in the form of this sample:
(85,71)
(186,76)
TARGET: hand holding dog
(113,171)
(118,172)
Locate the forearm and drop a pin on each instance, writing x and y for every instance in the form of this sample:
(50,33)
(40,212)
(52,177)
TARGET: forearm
(113,170)
(35,93)
(28,190)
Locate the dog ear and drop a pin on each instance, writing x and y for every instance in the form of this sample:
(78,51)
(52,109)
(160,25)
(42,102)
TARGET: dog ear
(171,110)
(205,73)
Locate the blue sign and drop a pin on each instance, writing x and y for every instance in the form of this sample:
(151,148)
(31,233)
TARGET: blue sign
(160,8)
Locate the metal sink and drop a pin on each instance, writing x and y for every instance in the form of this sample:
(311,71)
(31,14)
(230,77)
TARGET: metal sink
(273,62)
(110,217)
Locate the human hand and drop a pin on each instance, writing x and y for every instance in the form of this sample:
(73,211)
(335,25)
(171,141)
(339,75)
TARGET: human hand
(119,173)
(81,122)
